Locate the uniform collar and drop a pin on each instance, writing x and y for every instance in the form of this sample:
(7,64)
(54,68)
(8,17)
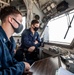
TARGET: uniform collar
(5,38)
(31,32)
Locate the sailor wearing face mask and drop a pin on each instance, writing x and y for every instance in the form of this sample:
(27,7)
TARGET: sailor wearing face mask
(31,41)
(11,20)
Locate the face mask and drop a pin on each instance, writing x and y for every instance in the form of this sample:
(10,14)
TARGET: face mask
(35,29)
(19,29)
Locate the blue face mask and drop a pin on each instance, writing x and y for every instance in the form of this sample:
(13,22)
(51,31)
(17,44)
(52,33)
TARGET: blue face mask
(19,29)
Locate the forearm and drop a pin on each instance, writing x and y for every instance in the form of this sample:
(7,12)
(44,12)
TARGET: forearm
(37,45)
(28,45)
(17,69)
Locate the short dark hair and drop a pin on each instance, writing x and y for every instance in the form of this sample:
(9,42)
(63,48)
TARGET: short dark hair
(34,22)
(8,10)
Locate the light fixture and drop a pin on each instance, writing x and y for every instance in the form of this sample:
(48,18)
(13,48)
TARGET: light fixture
(44,10)
(48,8)
(53,5)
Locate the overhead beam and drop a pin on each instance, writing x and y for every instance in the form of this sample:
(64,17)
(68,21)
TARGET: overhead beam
(5,3)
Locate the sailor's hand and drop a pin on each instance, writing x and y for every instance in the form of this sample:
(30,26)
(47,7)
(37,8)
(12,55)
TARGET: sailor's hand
(36,42)
(27,67)
(31,49)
